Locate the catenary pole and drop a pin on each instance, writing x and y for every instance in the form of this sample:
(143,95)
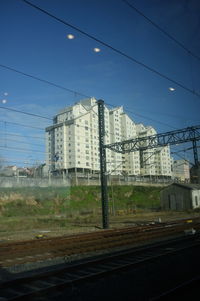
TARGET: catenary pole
(102,150)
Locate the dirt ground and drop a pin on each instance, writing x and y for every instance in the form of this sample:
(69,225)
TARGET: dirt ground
(114,222)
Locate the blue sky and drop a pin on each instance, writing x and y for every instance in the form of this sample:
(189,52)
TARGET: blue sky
(34,43)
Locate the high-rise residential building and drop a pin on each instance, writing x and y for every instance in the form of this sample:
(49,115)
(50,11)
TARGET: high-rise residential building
(131,164)
(72,143)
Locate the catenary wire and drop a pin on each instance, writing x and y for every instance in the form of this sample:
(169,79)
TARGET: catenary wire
(127,110)
(112,48)
(161,29)
(142,116)
(69,91)
(23,125)
(43,80)
(22,136)
(51,119)
(26,113)
(21,161)
(6,140)
(44,117)
(21,149)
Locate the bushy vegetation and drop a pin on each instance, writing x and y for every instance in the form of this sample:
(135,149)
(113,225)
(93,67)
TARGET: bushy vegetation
(25,211)
(74,200)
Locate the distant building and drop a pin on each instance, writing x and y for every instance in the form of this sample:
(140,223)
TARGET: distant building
(195,174)
(181,170)
(180,197)
(72,143)
(9,171)
(155,162)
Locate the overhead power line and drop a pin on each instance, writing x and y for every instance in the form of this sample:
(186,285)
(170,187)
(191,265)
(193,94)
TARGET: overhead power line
(26,113)
(151,119)
(142,116)
(21,149)
(112,48)
(48,118)
(23,125)
(161,29)
(20,136)
(23,142)
(43,80)
(25,162)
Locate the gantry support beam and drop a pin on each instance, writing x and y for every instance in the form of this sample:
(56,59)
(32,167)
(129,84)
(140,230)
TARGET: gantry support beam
(189,134)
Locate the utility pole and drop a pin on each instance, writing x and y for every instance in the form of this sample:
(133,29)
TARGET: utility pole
(102,150)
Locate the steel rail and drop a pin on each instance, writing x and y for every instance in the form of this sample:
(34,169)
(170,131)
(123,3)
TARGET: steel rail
(27,287)
(122,238)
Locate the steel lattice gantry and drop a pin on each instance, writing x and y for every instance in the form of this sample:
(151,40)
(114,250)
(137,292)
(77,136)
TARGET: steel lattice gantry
(102,150)
(189,134)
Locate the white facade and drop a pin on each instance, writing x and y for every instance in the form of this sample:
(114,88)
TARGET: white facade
(72,143)
(181,170)
(132,160)
(154,161)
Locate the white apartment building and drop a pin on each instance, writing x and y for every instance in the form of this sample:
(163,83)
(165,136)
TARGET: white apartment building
(154,161)
(132,160)
(72,143)
(181,170)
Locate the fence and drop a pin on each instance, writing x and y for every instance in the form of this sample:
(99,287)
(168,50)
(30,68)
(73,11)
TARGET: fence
(79,180)
(33,182)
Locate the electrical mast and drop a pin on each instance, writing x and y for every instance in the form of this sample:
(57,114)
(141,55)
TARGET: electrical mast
(102,150)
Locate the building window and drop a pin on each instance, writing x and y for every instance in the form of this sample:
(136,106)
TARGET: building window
(196,200)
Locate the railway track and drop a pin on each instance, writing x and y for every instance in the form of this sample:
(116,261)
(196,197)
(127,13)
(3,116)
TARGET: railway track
(89,243)
(50,282)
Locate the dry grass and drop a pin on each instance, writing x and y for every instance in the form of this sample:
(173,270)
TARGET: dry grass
(15,228)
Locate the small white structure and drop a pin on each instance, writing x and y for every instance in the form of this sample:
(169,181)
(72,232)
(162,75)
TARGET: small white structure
(181,170)
(180,197)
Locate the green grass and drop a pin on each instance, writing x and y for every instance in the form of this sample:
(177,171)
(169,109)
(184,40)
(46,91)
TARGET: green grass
(64,208)
(69,201)
(61,207)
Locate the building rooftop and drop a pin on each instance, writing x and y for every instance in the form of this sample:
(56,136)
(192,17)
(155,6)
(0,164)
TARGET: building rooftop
(188,186)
